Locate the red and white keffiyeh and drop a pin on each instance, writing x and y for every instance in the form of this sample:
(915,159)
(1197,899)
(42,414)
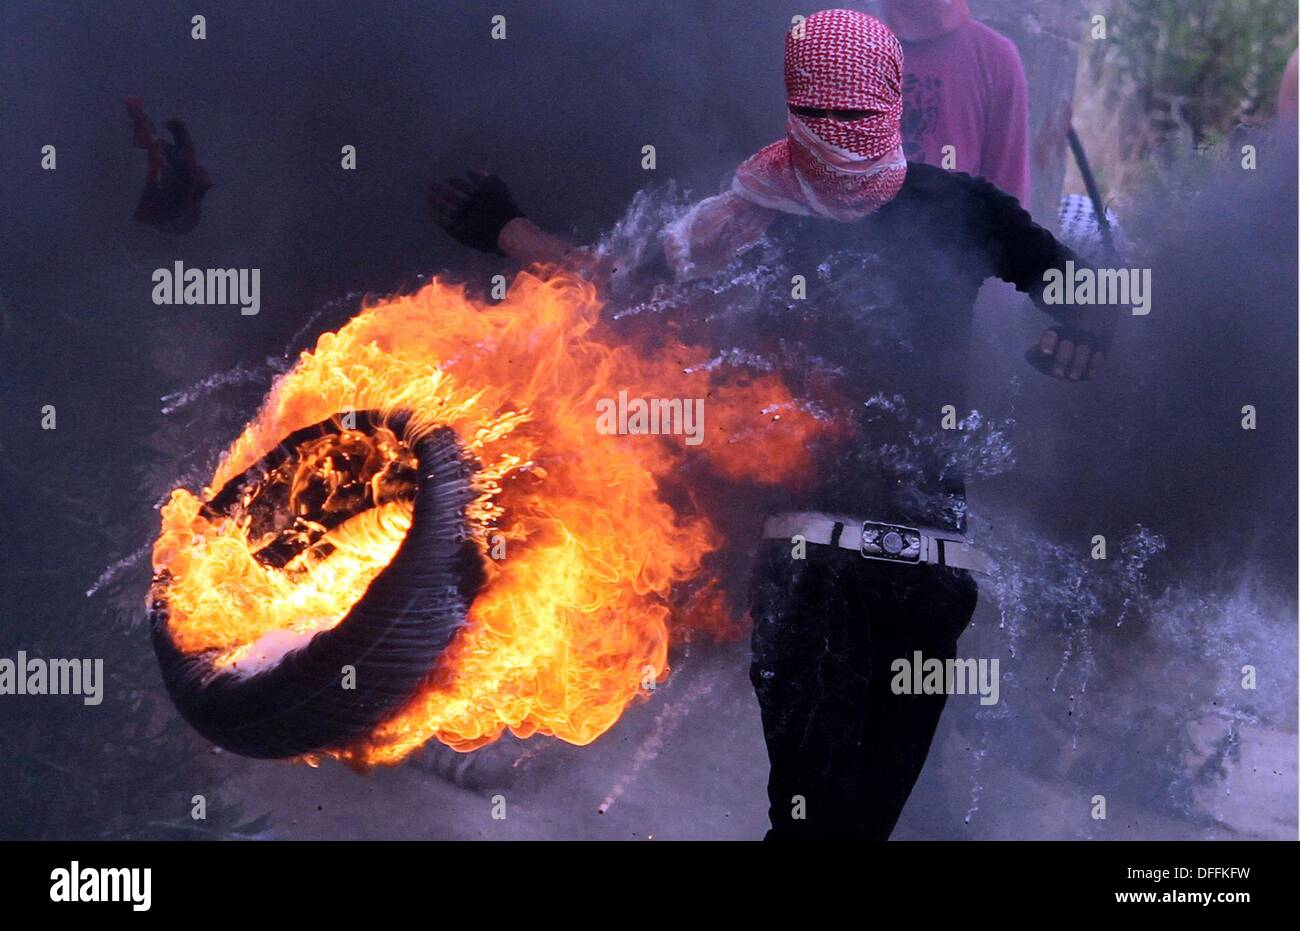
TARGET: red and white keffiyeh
(841,170)
(837,169)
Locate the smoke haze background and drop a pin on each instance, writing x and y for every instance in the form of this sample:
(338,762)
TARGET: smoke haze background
(1120,679)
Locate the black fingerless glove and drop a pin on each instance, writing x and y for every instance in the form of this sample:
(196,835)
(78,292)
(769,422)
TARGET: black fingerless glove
(480,221)
(1080,336)
(1076,335)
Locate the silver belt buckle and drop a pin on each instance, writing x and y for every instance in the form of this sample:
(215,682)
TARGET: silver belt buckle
(891,542)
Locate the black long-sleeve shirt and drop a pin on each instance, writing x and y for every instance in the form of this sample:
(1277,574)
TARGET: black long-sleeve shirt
(886,321)
(890,302)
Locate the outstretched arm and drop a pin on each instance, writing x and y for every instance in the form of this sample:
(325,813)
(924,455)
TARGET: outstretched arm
(478,211)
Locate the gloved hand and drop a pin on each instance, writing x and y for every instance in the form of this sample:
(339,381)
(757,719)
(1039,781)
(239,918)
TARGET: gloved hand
(473,210)
(1070,352)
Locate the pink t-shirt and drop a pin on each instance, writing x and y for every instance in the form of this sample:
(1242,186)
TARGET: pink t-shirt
(967,89)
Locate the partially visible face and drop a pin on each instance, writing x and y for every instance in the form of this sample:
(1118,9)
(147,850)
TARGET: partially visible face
(845,67)
(843,116)
(843,77)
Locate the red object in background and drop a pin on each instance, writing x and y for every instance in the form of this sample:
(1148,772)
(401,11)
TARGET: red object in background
(176,182)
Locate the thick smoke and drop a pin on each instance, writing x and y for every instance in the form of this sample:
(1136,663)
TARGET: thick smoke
(1120,678)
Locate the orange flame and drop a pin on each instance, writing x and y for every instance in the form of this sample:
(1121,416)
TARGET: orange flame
(580,548)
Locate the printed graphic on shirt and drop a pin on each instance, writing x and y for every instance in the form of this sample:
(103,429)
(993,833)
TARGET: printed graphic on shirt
(920,114)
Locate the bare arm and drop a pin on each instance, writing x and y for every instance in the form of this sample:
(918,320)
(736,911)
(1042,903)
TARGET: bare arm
(528,244)
(524,241)
(478,211)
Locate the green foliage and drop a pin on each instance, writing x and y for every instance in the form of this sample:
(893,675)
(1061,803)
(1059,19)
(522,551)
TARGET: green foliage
(1187,71)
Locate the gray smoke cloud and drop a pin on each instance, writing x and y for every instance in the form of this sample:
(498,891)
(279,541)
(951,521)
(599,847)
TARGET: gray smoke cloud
(1120,679)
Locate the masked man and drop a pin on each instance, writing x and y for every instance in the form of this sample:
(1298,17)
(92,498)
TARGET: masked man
(894,253)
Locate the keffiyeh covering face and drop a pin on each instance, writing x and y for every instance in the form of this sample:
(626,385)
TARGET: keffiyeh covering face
(837,169)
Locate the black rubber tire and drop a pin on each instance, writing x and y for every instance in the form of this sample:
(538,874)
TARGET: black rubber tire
(392,637)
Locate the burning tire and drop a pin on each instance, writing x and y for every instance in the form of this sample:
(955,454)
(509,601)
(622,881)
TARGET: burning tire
(584,549)
(306,699)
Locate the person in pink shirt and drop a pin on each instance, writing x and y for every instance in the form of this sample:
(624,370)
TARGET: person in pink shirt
(964,87)
(1287,91)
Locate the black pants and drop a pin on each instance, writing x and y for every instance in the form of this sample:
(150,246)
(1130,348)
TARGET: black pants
(826,630)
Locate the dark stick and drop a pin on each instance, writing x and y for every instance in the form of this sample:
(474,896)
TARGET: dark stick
(1094,194)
